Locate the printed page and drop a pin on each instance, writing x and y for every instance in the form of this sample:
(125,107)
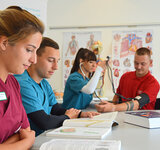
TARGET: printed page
(88,123)
(100,121)
(78,132)
(106,116)
(70,144)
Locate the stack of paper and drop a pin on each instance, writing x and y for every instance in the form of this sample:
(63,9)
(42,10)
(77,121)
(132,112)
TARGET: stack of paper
(70,144)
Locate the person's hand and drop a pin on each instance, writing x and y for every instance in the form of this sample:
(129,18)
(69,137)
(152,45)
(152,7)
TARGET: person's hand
(105,106)
(72,113)
(27,135)
(102,64)
(103,102)
(89,114)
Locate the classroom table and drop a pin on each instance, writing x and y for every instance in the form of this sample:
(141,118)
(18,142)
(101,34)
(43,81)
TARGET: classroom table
(132,137)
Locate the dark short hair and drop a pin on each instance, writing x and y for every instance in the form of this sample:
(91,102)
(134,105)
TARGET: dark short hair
(144,51)
(47,42)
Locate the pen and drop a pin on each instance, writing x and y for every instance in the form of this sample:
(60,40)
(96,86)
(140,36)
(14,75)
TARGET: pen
(18,129)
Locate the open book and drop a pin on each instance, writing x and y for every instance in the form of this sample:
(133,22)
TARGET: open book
(90,128)
(70,144)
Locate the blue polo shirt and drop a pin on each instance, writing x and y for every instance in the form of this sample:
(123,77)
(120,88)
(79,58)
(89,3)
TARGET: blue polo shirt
(73,97)
(35,96)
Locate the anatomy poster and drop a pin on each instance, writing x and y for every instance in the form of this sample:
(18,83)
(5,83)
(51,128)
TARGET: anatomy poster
(125,43)
(72,42)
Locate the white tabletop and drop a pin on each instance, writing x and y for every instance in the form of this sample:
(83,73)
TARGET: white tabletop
(94,100)
(132,137)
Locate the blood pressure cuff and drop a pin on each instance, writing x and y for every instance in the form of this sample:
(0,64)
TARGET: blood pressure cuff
(142,99)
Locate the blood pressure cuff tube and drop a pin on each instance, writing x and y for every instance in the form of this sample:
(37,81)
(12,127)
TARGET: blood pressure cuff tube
(142,99)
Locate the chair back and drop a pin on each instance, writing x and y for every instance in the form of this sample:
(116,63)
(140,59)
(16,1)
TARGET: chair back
(157,104)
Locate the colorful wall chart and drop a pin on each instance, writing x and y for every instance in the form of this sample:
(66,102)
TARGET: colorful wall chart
(72,42)
(124,45)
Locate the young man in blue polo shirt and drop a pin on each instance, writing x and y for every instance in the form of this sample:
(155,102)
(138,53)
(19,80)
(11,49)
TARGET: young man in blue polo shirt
(37,95)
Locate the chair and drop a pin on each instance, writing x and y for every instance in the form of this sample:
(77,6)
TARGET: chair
(157,104)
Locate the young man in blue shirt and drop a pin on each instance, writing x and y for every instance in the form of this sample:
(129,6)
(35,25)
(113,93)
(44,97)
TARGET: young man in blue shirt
(37,95)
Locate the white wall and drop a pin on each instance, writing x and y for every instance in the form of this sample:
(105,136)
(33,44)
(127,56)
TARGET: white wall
(105,16)
(102,12)
(34,7)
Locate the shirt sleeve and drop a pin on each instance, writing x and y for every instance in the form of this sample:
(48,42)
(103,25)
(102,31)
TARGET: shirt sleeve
(90,87)
(76,83)
(25,122)
(29,97)
(120,84)
(45,122)
(24,119)
(151,89)
(52,98)
(58,110)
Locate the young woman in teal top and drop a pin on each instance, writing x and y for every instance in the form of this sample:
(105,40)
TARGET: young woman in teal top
(81,84)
